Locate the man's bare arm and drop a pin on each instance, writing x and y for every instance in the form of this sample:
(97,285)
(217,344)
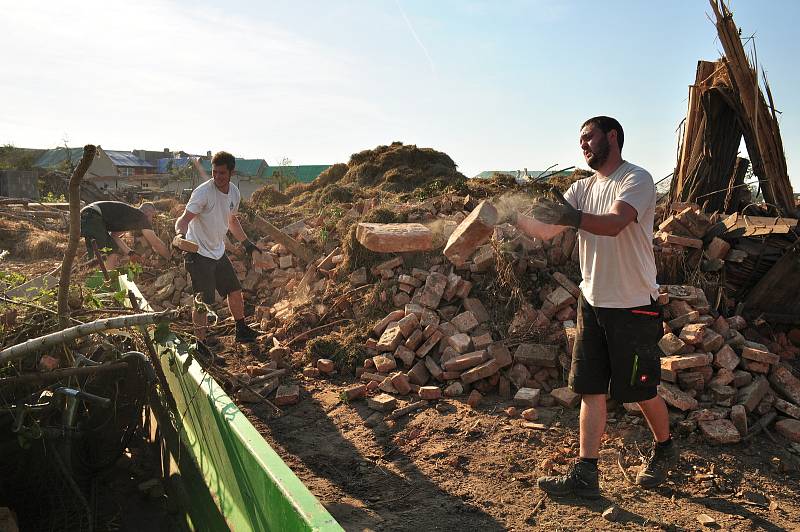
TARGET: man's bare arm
(535,228)
(156,243)
(182,223)
(236,228)
(611,223)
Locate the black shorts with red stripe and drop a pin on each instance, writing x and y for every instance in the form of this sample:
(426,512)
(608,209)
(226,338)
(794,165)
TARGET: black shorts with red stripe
(616,351)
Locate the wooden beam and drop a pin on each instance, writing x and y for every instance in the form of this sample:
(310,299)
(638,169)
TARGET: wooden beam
(280,237)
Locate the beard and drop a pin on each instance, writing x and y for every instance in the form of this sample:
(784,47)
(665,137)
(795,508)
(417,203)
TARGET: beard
(599,157)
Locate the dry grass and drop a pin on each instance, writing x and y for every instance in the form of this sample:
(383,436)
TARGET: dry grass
(41,245)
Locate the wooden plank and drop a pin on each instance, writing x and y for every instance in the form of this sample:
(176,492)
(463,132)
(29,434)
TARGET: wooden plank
(280,237)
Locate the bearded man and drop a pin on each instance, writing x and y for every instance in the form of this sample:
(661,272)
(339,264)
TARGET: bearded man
(619,321)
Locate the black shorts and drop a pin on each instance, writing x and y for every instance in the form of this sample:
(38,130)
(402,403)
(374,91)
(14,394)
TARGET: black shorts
(616,350)
(209,275)
(94,228)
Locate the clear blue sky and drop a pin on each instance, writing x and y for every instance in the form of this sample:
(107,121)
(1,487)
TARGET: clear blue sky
(495,84)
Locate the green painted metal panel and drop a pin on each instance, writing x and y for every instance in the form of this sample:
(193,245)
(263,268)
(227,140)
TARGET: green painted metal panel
(244,167)
(251,486)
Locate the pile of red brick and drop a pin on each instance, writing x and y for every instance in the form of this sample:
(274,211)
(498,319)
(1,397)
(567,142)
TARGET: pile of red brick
(726,383)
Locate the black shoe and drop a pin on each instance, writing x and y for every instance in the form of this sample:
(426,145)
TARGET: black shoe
(581,481)
(246,335)
(656,465)
(206,358)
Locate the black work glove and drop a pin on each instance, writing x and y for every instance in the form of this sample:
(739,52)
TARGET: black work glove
(558,212)
(249,247)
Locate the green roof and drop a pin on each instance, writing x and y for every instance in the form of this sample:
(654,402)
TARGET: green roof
(56,156)
(245,167)
(305,173)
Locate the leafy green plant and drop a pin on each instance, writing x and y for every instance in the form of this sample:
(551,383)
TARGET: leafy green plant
(52,198)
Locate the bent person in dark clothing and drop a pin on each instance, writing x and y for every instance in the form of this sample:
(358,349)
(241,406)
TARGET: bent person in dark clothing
(105,221)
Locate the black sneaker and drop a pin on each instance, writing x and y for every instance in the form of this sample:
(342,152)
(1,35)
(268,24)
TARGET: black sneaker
(246,335)
(656,464)
(581,481)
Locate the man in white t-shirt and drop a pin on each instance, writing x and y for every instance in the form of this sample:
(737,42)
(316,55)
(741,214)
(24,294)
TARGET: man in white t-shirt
(209,215)
(619,322)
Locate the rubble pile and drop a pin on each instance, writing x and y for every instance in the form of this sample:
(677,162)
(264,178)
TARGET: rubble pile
(722,373)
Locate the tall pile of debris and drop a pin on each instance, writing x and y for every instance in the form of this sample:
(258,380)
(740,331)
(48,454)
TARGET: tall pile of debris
(726,103)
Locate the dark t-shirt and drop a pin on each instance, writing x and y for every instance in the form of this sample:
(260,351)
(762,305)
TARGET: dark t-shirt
(119,216)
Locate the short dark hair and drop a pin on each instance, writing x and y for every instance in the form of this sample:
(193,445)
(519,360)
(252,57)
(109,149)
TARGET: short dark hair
(606,124)
(223,157)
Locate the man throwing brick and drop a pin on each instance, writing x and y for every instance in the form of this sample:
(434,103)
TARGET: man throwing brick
(619,322)
(209,214)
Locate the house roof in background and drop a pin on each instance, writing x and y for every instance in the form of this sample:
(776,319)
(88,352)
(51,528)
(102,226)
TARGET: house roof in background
(245,167)
(54,157)
(305,173)
(127,159)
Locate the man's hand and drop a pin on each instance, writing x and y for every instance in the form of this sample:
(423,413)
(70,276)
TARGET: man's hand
(556,212)
(249,247)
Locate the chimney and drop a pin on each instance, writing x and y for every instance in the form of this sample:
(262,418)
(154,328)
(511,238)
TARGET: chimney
(208,154)
(166,150)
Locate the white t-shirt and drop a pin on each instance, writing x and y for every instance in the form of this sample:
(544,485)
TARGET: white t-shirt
(213,209)
(618,271)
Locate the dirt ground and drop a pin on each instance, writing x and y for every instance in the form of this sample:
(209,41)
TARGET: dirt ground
(450,467)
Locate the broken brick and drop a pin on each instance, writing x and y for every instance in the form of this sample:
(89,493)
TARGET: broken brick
(760,356)
(287,394)
(487,369)
(673,396)
(537,355)
(474,398)
(465,322)
(678,362)
(429,344)
(419,374)
(786,383)
(465,361)
(394,237)
(566,397)
(475,306)
(476,229)
(739,419)
(430,393)
(433,290)
(789,428)
(382,403)
(670,344)
(401,383)
(753,393)
(384,363)
(719,431)
(726,357)
(527,397)
(500,354)
(391,338)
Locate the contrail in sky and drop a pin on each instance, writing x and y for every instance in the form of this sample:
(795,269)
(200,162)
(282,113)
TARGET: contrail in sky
(416,37)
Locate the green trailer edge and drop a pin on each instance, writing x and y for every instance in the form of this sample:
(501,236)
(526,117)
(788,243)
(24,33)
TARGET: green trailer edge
(231,478)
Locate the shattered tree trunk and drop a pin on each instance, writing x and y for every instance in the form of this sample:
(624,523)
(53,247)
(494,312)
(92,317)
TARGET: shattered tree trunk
(760,122)
(74,232)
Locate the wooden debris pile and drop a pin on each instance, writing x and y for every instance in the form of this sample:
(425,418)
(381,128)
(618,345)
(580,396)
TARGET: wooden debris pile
(725,104)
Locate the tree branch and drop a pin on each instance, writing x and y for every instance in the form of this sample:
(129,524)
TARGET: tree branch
(35,345)
(74,232)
